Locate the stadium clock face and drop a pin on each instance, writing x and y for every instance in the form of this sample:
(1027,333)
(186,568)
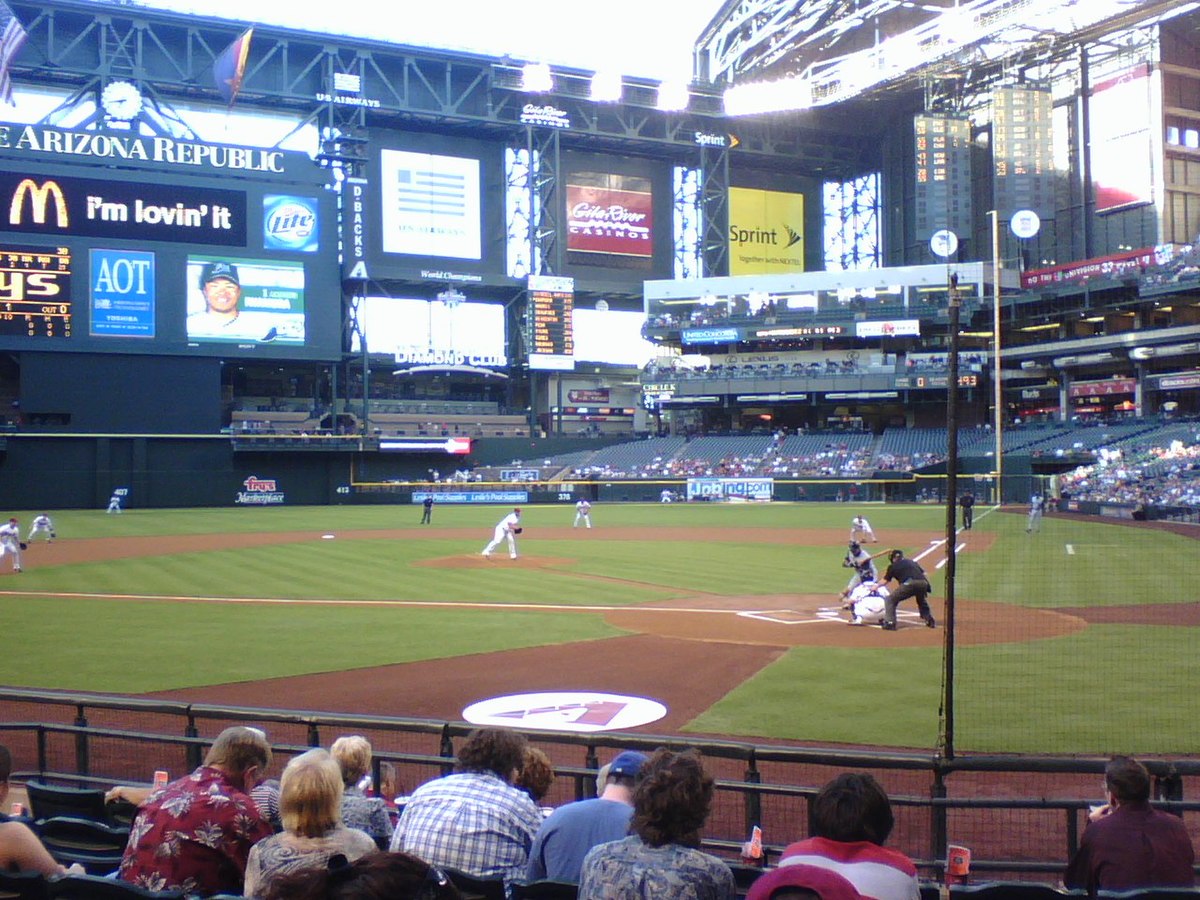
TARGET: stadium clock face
(121,100)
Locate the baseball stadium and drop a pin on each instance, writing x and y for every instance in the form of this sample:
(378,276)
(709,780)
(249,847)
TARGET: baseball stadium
(844,417)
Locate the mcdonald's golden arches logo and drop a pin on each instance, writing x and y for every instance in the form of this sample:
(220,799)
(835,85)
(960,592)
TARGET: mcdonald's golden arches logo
(39,199)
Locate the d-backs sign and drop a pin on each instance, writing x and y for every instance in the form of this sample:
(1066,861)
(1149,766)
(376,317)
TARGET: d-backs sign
(58,206)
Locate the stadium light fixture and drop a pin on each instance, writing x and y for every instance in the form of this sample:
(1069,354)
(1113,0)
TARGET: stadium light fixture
(673,95)
(536,78)
(769,96)
(606,87)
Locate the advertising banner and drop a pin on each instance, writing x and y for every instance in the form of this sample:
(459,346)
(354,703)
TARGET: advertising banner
(1114,265)
(430,205)
(730,488)
(889,328)
(1119,118)
(766,232)
(1105,388)
(418,497)
(123,293)
(610,214)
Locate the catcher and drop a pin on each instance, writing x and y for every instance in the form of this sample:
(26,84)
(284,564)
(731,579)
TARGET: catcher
(10,542)
(506,529)
(867,604)
(863,565)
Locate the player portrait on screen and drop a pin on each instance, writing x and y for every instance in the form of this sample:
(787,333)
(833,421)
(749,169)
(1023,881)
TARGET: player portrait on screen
(245,300)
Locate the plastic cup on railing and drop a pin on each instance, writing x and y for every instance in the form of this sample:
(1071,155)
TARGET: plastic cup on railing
(160,778)
(958,864)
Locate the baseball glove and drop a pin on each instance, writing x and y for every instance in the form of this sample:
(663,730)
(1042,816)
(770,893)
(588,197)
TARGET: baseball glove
(24,546)
(518,530)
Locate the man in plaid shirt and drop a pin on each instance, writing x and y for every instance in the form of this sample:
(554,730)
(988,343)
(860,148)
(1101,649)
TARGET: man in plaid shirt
(474,820)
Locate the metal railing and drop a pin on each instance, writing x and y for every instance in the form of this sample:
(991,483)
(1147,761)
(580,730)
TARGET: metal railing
(92,743)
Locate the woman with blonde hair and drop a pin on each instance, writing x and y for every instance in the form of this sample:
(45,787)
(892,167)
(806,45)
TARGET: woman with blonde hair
(310,805)
(369,814)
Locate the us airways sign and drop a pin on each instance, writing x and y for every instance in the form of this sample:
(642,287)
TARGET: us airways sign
(54,206)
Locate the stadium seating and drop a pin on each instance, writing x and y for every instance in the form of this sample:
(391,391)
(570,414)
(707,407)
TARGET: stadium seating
(546,890)
(23,886)
(473,888)
(95,845)
(1008,890)
(91,887)
(48,800)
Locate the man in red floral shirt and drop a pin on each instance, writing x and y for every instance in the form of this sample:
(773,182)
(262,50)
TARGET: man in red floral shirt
(195,834)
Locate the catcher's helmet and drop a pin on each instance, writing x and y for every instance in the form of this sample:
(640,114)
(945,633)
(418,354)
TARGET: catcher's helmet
(855,546)
(895,555)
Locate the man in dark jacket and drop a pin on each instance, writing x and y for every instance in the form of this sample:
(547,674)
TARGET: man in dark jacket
(913,583)
(1127,844)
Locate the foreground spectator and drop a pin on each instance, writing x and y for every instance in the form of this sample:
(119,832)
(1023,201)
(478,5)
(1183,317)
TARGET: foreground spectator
(537,774)
(310,804)
(353,755)
(1128,844)
(380,876)
(850,820)
(195,834)
(800,882)
(474,820)
(662,857)
(572,830)
(20,849)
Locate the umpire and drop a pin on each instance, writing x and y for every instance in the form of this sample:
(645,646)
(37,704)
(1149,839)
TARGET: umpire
(967,502)
(913,583)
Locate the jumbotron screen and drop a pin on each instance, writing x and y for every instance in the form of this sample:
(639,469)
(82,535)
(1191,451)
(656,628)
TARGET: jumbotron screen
(131,244)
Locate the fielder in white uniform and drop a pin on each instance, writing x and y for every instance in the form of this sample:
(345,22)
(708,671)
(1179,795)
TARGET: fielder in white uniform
(42,523)
(666,496)
(10,542)
(583,513)
(505,530)
(114,504)
(860,530)
(1034,522)
(868,604)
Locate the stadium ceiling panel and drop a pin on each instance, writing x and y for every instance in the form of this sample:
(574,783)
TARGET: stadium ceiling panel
(828,51)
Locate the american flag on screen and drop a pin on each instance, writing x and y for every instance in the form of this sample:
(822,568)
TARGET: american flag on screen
(12,36)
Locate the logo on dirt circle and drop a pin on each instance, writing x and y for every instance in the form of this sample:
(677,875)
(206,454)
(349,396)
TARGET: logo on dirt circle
(566,711)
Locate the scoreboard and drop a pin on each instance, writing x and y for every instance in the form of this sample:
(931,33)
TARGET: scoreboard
(549,329)
(1023,151)
(942,171)
(35,291)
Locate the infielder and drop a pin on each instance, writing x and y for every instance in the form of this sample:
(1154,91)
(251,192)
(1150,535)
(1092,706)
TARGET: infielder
(41,522)
(863,565)
(10,542)
(860,530)
(507,529)
(867,605)
(583,513)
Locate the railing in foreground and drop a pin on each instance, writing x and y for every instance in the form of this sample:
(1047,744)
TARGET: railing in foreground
(1021,815)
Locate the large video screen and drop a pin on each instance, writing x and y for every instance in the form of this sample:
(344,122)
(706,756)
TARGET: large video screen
(423,331)
(127,244)
(613,337)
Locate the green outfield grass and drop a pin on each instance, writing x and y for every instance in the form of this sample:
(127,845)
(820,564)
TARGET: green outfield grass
(1110,687)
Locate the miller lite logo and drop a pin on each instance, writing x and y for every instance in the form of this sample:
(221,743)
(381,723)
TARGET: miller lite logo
(40,196)
(254,483)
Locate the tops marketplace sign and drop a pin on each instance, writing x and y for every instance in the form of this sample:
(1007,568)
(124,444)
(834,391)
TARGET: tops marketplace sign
(60,145)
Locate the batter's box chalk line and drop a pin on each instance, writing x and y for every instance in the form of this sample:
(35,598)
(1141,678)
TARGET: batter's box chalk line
(822,614)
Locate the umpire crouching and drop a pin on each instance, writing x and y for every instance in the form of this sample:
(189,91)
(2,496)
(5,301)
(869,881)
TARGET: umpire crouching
(913,583)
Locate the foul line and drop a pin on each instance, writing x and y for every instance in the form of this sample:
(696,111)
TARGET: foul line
(432,604)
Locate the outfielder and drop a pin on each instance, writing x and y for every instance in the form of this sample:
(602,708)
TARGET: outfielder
(863,565)
(583,513)
(41,523)
(867,605)
(10,542)
(1034,522)
(114,504)
(507,529)
(860,530)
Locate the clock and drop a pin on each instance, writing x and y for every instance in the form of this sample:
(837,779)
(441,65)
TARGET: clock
(121,100)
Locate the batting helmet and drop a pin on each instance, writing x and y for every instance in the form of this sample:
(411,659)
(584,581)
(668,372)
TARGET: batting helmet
(895,555)
(855,546)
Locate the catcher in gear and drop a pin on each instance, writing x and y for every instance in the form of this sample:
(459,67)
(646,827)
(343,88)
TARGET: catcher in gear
(507,529)
(867,604)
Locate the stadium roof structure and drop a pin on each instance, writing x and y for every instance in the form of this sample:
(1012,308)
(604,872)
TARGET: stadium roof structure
(777,55)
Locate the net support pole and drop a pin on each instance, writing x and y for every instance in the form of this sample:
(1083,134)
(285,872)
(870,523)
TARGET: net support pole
(997,387)
(951,519)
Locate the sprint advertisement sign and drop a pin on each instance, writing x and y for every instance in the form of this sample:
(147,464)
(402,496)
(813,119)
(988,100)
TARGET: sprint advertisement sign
(766,232)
